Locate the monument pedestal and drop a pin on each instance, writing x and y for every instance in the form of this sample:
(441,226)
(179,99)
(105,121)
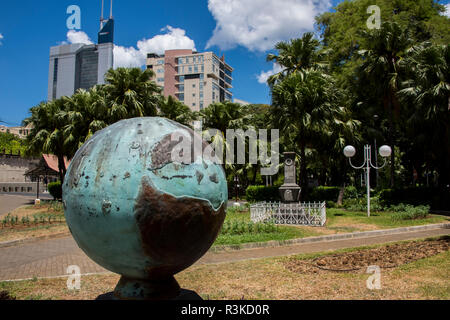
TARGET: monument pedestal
(290,190)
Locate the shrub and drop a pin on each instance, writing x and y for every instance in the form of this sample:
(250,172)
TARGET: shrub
(324,194)
(411,213)
(55,189)
(360,204)
(262,193)
(242,227)
(351,192)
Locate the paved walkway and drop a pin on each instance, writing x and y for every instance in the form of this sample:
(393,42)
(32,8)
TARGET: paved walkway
(9,202)
(50,258)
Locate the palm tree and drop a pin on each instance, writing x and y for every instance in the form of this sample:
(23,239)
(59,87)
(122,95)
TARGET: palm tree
(85,113)
(303,108)
(382,53)
(296,55)
(175,110)
(429,95)
(222,116)
(131,93)
(47,133)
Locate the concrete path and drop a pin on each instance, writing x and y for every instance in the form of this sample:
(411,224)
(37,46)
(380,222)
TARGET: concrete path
(50,258)
(9,202)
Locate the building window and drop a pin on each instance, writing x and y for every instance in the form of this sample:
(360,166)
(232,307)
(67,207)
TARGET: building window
(181,79)
(201,105)
(160,71)
(193,86)
(55,77)
(180,60)
(181,97)
(193,104)
(160,79)
(181,87)
(203,68)
(196,68)
(160,62)
(201,95)
(190,69)
(193,94)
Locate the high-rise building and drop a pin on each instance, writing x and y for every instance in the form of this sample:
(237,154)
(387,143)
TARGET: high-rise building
(75,66)
(196,79)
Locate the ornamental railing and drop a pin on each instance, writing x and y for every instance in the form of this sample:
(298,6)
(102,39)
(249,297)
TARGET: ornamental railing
(305,213)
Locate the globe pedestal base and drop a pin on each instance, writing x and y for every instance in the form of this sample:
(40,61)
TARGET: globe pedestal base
(136,289)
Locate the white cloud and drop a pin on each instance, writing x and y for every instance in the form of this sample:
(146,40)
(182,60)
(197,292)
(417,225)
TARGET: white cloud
(260,24)
(78,37)
(447,10)
(174,38)
(1,37)
(264,75)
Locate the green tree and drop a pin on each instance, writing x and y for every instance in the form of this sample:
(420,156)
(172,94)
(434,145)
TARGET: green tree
(428,95)
(47,133)
(382,51)
(131,93)
(303,106)
(85,113)
(173,109)
(296,55)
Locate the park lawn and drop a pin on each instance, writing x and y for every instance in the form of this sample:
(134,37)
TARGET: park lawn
(45,220)
(345,221)
(427,278)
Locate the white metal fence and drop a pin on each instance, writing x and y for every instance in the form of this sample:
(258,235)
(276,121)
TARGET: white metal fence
(306,213)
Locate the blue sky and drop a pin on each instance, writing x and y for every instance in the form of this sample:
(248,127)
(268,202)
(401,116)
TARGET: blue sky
(240,29)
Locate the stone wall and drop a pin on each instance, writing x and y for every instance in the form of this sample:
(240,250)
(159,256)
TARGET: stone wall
(13,167)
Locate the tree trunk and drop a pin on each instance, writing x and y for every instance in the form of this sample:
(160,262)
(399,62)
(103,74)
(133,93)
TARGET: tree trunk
(62,168)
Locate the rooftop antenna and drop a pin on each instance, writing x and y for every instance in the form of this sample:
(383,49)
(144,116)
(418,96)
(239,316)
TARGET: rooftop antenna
(101,16)
(110,10)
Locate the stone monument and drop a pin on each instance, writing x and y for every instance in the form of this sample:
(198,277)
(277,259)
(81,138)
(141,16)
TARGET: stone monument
(137,212)
(289,191)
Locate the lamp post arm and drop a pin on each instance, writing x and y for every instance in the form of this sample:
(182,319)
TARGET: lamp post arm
(378,168)
(356,167)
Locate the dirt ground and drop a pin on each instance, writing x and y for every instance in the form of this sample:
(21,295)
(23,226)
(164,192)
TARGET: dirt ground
(385,257)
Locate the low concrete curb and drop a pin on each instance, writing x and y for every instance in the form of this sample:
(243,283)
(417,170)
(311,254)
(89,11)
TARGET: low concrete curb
(22,241)
(334,237)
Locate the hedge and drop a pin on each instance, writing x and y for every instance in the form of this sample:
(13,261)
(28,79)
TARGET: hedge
(55,189)
(437,199)
(324,194)
(262,193)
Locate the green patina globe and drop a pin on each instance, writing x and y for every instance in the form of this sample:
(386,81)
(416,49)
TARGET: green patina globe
(136,211)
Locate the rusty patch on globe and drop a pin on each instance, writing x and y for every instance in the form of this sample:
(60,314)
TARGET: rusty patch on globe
(162,152)
(175,232)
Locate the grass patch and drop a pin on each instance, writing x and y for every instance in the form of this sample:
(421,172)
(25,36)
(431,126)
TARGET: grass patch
(381,219)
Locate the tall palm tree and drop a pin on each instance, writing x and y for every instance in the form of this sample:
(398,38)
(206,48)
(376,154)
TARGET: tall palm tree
(85,113)
(47,133)
(303,105)
(429,95)
(382,53)
(175,110)
(296,55)
(131,93)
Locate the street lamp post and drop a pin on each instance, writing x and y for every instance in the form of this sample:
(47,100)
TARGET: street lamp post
(385,152)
